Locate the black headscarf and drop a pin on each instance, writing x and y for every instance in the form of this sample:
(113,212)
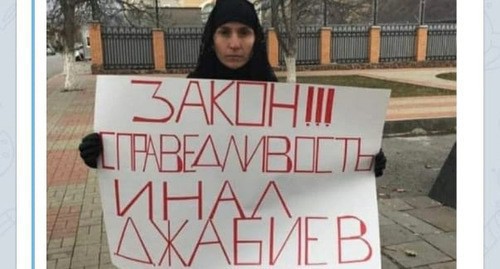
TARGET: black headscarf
(209,66)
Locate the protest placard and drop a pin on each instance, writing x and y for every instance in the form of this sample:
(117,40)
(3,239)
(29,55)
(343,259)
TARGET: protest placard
(237,174)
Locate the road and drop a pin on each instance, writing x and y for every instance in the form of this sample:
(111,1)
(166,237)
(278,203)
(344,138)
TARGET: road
(54,65)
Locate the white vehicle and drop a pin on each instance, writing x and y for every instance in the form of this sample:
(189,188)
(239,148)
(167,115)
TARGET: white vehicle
(50,50)
(79,52)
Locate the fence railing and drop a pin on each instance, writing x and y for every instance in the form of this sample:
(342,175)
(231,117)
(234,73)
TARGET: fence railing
(397,43)
(132,48)
(182,46)
(127,48)
(307,46)
(442,42)
(349,43)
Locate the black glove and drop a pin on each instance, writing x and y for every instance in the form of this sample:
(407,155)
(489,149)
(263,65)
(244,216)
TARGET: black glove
(380,161)
(90,149)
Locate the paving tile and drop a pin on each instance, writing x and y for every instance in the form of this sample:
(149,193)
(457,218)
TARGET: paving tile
(421,202)
(445,242)
(396,234)
(383,220)
(63,263)
(88,257)
(442,217)
(68,241)
(104,257)
(395,204)
(62,254)
(425,254)
(51,264)
(79,251)
(96,213)
(55,243)
(90,221)
(414,224)
(446,265)
(84,262)
(66,222)
(83,266)
(68,249)
(388,264)
(88,235)
(107,266)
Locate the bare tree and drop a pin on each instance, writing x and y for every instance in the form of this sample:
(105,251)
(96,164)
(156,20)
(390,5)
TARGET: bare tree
(348,11)
(284,14)
(68,10)
(287,15)
(65,18)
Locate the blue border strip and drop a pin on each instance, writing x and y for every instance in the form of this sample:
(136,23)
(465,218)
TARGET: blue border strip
(33,134)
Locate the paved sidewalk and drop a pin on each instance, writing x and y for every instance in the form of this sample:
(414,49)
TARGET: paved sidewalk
(416,232)
(418,76)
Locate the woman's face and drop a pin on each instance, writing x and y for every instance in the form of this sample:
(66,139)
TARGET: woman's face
(233,43)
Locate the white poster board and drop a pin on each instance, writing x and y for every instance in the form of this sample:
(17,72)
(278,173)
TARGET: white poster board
(233,174)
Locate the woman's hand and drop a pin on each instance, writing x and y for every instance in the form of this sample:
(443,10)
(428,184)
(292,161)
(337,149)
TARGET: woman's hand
(380,161)
(90,149)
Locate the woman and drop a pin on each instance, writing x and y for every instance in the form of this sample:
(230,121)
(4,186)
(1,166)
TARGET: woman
(232,47)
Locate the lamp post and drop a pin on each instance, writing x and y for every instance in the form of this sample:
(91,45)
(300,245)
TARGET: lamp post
(375,11)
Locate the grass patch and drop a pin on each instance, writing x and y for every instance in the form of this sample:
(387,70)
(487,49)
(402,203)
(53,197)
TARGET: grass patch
(448,76)
(398,89)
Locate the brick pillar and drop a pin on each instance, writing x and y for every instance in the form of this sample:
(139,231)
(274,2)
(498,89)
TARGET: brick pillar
(374,44)
(325,48)
(421,43)
(96,48)
(272,48)
(159,49)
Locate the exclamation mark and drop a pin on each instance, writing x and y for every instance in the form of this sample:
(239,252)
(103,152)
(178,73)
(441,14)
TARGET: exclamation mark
(319,105)
(310,96)
(329,106)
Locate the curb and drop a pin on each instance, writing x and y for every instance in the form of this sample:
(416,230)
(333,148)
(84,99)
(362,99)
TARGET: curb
(419,127)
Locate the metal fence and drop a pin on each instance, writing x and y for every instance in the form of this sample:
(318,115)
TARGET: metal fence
(442,42)
(397,42)
(132,48)
(127,48)
(182,46)
(349,43)
(308,40)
